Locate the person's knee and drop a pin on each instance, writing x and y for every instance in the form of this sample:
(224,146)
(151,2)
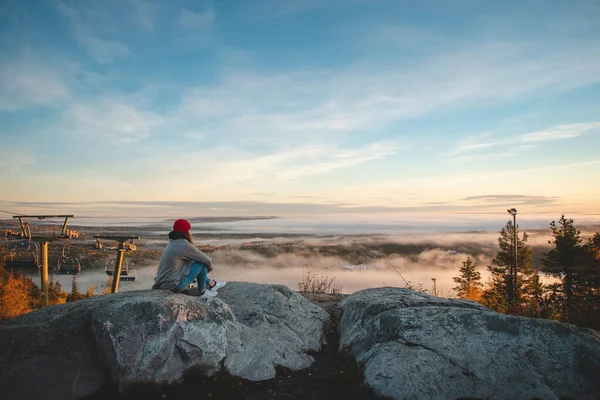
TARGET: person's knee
(198,265)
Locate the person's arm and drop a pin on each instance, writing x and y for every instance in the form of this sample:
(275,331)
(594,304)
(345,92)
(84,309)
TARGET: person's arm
(196,255)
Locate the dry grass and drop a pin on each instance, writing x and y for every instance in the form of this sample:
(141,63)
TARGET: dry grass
(313,283)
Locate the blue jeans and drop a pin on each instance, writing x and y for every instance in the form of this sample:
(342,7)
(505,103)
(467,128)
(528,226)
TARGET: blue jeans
(197,270)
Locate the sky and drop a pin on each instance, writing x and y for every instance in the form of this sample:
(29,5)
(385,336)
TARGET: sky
(267,107)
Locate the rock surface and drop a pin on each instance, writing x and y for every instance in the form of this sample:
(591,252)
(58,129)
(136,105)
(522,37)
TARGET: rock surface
(154,336)
(415,346)
(277,326)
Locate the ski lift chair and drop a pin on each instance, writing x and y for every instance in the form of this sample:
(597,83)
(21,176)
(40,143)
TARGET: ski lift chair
(67,265)
(127,272)
(22,255)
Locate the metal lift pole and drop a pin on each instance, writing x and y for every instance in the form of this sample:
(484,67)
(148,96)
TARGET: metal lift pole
(44,240)
(63,232)
(116,276)
(117,272)
(23,227)
(44,259)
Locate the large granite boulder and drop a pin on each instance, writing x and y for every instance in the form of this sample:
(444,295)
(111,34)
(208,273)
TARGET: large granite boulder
(276,327)
(155,336)
(415,346)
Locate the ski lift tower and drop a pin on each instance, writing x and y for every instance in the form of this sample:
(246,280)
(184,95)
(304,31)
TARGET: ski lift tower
(44,240)
(125,243)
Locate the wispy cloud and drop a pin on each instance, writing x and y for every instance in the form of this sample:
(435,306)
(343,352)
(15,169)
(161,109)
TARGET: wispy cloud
(12,158)
(332,159)
(316,102)
(513,199)
(470,146)
(27,82)
(103,51)
(284,7)
(560,132)
(196,20)
(145,13)
(230,168)
(109,17)
(109,119)
(516,145)
(448,187)
(508,150)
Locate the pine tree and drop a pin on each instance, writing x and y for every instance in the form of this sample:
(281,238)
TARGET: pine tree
(91,292)
(594,246)
(108,287)
(588,309)
(499,294)
(469,281)
(3,275)
(2,255)
(75,294)
(565,260)
(35,294)
(534,291)
(55,293)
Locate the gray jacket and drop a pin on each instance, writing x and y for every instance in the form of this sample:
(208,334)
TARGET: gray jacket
(175,263)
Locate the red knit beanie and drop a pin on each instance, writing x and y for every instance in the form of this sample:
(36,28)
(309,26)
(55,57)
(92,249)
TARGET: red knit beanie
(181,225)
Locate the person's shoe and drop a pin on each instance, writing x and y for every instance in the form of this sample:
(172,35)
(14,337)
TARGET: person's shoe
(218,285)
(208,294)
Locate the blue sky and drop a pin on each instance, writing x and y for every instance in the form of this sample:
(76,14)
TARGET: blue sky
(329,106)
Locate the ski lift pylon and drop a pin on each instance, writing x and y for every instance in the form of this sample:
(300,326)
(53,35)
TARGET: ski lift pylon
(127,271)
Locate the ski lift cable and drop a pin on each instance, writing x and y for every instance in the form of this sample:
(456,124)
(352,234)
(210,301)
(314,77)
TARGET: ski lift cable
(51,221)
(398,272)
(24,215)
(76,247)
(40,218)
(13,213)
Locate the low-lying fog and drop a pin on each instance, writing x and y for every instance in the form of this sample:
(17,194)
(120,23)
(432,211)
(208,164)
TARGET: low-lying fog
(279,250)
(355,263)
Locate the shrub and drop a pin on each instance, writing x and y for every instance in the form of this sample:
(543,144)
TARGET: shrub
(313,283)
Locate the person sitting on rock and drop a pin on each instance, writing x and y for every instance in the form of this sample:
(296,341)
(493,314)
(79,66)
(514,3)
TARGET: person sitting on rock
(181,263)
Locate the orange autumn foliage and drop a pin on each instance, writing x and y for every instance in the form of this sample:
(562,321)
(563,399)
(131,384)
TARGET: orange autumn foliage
(15,297)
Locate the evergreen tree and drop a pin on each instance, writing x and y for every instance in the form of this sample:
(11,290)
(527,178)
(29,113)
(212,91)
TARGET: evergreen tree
(594,246)
(588,309)
(500,291)
(3,275)
(469,281)
(107,288)
(35,294)
(55,293)
(2,254)
(553,306)
(91,292)
(565,260)
(534,291)
(75,294)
